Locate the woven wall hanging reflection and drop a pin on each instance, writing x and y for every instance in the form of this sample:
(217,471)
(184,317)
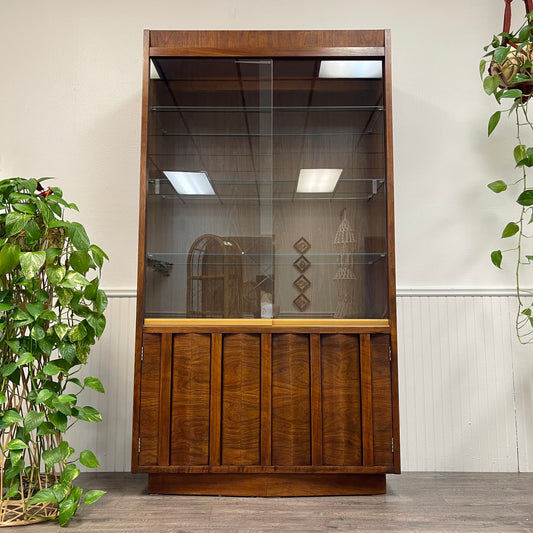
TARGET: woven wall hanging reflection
(344,243)
(302,283)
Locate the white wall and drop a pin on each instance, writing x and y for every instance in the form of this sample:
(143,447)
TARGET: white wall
(70,80)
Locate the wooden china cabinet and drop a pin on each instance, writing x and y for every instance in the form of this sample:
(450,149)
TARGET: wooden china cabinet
(266,319)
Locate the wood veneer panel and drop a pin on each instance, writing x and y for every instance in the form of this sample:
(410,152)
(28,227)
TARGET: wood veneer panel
(341,400)
(367,429)
(241,397)
(216,399)
(267,484)
(266,399)
(149,400)
(382,400)
(165,399)
(274,42)
(190,399)
(291,410)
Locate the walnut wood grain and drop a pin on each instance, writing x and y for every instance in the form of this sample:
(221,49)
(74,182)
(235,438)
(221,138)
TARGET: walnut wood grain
(316,400)
(291,410)
(190,399)
(273,43)
(381,400)
(266,399)
(269,485)
(149,400)
(165,399)
(341,399)
(215,418)
(241,400)
(366,401)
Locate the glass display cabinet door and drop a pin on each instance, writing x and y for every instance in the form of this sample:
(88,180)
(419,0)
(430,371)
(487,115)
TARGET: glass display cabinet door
(266,193)
(209,232)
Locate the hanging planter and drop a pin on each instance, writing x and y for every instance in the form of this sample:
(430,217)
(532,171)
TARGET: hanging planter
(51,312)
(507,72)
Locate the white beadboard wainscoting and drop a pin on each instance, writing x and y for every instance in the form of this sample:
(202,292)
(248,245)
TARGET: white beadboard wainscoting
(466,384)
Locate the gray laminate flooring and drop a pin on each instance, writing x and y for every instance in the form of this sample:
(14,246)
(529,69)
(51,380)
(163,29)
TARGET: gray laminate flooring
(414,502)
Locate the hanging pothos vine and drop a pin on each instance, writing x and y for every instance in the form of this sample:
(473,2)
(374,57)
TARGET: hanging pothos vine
(507,73)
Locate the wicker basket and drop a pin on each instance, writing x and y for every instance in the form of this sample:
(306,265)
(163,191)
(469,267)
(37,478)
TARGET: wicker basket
(18,513)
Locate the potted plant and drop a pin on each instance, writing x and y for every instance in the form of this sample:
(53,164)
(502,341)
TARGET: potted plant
(507,73)
(51,312)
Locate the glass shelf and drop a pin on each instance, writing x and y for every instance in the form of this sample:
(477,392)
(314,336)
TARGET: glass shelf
(172,108)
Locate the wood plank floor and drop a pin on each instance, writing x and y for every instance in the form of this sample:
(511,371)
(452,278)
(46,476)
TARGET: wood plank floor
(415,502)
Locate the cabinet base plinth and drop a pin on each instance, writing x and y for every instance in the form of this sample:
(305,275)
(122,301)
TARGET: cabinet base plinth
(267,484)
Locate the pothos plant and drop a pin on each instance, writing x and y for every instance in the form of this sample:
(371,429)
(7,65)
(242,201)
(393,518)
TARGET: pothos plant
(507,73)
(51,312)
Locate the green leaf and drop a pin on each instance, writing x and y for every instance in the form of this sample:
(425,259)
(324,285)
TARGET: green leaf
(55,274)
(482,66)
(33,233)
(526,198)
(35,309)
(101,302)
(497,186)
(87,413)
(83,349)
(44,495)
(60,330)
(46,428)
(43,396)
(73,280)
(8,368)
(525,33)
(16,444)
(78,236)
(9,257)
(52,253)
(527,312)
(493,121)
(31,262)
(66,398)
(70,473)
(37,333)
(12,491)
(25,358)
(60,491)
(500,54)
(94,383)
(51,369)
(14,471)
(88,459)
(98,255)
(77,332)
(6,307)
(59,420)
(25,208)
(490,84)
(15,223)
(11,417)
(80,261)
(512,93)
(64,296)
(47,345)
(98,324)
(519,153)
(92,495)
(57,454)
(496,258)
(67,351)
(67,509)
(33,420)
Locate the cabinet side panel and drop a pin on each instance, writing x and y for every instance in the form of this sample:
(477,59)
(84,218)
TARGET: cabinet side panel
(190,399)
(381,400)
(241,399)
(291,409)
(149,402)
(341,400)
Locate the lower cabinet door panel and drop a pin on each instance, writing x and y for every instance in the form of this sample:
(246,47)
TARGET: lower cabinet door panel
(241,399)
(149,400)
(189,442)
(219,424)
(341,400)
(382,400)
(291,410)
